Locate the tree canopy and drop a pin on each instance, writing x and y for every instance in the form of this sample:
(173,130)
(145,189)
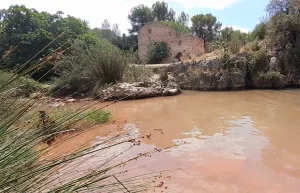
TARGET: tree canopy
(141,15)
(205,26)
(138,17)
(183,18)
(29,31)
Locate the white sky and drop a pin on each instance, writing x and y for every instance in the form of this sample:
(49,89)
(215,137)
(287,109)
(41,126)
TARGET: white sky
(116,11)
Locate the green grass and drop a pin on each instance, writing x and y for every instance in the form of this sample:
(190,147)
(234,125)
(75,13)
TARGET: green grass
(93,117)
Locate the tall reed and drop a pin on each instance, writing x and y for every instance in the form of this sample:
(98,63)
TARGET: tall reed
(24,166)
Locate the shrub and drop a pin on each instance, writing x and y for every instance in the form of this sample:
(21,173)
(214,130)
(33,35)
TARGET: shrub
(270,79)
(23,86)
(178,27)
(88,67)
(157,52)
(258,61)
(259,32)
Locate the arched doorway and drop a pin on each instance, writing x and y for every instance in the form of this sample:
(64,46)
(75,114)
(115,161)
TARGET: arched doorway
(178,56)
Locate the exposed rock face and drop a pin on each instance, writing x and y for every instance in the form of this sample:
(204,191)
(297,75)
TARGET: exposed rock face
(274,64)
(140,90)
(212,74)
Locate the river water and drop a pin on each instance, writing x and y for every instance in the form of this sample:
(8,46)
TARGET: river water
(231,142)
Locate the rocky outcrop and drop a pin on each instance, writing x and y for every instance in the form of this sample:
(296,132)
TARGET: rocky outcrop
(270,80)
(212,74)
(140,90)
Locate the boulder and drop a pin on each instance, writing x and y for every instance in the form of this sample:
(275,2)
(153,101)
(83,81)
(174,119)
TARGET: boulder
(140,90)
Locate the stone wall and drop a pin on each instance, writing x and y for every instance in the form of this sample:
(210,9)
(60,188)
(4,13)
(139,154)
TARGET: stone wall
(181,46)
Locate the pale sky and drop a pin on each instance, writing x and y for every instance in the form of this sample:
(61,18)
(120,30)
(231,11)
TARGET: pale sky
(116,11)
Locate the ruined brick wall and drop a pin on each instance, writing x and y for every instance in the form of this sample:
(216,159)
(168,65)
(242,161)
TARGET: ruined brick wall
(183,45)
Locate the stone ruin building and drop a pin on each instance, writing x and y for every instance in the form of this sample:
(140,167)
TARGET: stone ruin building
(181,46)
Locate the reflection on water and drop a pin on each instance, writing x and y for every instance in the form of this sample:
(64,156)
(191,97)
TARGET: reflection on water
(230,141)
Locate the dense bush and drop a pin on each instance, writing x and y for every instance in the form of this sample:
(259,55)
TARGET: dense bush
(27,32)
(259,32)
(258,61)
(270,79)
(157,52)
(87,67)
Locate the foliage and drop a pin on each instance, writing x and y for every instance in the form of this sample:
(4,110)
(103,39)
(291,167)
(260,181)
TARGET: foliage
(270,79)
(160,12)
(90,66)
(157,52)
(141,15)
(183,18)
(258,61)
(283,30)
(24,86)
(112,34)
(138,17)
(233,39)
(259,32)
(205,26)
(29,31)
(28,164)
(29,161)
(129,43)
(106,31)
(286,7)
(178,26)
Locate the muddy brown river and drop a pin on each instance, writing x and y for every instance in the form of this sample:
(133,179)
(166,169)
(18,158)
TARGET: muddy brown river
(231,142)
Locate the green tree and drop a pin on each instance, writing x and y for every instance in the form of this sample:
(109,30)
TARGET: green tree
(232,39)
(157,52)
(138,17)
(183,18)
(205,26)
(259,31)
(106,31)
(113,35)
(129,43)
(283,30)
(171,15)
(286,7)
(32,31)
(161,12)
(105,24)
